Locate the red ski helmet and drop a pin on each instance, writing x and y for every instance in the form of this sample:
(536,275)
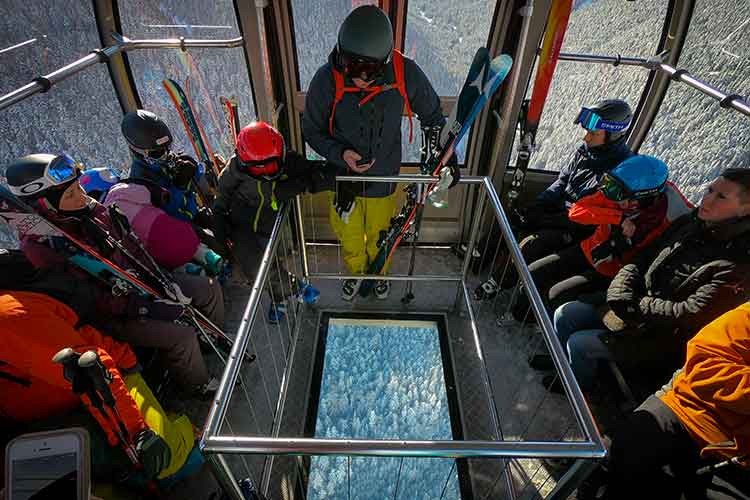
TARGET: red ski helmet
(260,150)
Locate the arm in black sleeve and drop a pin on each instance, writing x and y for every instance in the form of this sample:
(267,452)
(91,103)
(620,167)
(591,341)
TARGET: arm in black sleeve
(723,292)
(315,119)
(554,195)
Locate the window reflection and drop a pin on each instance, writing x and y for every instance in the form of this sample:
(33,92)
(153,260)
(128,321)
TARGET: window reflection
(81,115)
(696,137)
(316,27)
(442,38)
(595,27)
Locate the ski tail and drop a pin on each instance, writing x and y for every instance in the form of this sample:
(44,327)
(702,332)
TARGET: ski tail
(231,117)
(557,25)
(194,130)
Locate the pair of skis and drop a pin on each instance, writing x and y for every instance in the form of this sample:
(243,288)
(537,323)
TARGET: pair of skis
(28,223)
(482,81)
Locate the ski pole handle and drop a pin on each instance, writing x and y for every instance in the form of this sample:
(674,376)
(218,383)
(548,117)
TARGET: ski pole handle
(100,377)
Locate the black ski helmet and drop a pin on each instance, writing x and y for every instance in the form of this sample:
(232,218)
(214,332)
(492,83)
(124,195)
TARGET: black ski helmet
(614,110)
(146,133)
(366,33)
(42,177)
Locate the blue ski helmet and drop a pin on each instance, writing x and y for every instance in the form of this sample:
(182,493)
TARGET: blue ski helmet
(637,178)
(97,181)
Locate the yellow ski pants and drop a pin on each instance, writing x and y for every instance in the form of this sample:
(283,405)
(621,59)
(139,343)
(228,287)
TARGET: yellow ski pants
(359,237)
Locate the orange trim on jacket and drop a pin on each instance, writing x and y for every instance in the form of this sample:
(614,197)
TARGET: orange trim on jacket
(711,393)
(399,84)
(596,209)
(33,328)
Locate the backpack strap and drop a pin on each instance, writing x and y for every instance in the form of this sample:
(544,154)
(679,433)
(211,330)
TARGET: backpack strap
(399,84)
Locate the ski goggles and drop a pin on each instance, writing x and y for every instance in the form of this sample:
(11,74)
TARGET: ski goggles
(590,120)
(362,67)
(268,168)
(615,190)
(61,170)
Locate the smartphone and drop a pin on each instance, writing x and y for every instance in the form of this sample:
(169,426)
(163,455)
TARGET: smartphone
(48,465)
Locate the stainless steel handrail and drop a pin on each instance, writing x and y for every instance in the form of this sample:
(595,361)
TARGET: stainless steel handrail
(734,101)
(122,44)
(593,447)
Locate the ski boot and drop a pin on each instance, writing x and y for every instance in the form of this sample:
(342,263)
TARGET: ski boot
(307,294)
(276,313)
(487,290)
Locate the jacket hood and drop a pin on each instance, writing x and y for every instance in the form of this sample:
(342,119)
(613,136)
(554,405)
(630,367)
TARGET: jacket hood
(618,147)
(726,230)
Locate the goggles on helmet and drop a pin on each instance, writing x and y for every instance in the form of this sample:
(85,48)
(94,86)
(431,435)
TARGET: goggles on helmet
(590,120)
(361,67)
(615,190)
(268,168)
(60,171)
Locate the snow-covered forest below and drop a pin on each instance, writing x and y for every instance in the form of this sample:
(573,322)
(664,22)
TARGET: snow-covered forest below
(382,382)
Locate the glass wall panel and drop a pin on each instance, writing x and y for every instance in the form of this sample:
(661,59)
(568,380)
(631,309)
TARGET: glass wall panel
(316,27)
(692,133)
(81,115)
(442,37)
(595,27)
(204,74)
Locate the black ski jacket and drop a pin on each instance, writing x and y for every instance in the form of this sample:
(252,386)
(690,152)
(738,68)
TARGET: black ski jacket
(372,130)
(686,278)
(253,202)
(581,176)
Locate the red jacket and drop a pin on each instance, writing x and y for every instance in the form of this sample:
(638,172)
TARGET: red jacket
(33,328)
(650,222)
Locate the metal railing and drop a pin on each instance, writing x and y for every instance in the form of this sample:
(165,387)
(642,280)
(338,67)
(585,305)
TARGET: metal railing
(219,447)
(123,44)
(726,100)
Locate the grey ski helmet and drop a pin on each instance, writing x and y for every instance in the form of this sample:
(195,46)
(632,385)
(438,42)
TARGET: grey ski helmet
(146,133)
(614,116)
(366,33)
(42,177)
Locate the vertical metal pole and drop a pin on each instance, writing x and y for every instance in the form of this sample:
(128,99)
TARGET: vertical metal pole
(479,208)
(301,236)
(572,479)
(224,476)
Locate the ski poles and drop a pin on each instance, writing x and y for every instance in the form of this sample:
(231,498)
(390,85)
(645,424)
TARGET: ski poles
(87,375)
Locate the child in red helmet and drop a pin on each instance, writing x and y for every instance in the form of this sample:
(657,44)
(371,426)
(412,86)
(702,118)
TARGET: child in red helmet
(258,179)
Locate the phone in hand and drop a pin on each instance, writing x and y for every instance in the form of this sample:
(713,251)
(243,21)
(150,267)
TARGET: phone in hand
(48,465)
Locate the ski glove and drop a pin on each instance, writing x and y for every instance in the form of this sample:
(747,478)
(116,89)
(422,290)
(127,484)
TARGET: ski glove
(183,172)
(611,249)
(430,156)
(153,452)
(344,200)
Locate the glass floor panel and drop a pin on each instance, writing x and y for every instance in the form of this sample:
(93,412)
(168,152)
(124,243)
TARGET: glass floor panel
(383,379)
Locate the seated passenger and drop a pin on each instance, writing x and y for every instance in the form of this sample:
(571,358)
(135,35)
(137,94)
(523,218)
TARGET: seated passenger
(545,221)
(257,180)
(700,418)
(634,205)
(33,328)
(160,198)
(695,271)
(58,196)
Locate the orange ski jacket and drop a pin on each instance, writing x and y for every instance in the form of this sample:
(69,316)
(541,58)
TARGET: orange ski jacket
(33,328)
(596,209)
(711,393)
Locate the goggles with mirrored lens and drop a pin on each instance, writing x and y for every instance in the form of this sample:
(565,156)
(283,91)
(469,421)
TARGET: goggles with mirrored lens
(60,171)
(613,188)
(267,167)
(590,120)
(360,67)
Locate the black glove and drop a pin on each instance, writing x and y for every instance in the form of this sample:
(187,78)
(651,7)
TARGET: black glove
(344,199)
(322,179)
(430,154)
(153,452)
(184,169)
(611,249)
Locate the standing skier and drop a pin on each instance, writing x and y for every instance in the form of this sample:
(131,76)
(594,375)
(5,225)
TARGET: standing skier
(259,177)
(545,222)
(353,114)
(50,184)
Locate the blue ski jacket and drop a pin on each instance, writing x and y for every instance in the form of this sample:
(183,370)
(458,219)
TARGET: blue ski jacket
(582,175)
(374,129)
(181,203)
